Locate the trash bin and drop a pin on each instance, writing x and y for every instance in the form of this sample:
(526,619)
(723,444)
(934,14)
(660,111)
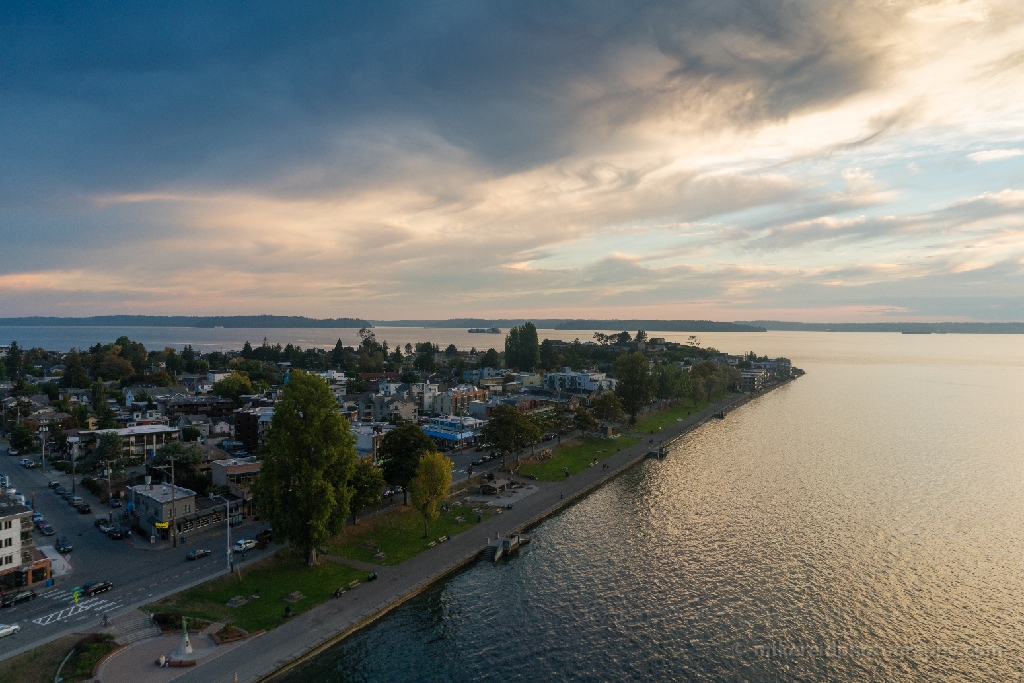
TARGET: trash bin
(49,582)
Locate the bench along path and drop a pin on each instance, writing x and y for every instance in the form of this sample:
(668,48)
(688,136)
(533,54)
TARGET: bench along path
(264,656)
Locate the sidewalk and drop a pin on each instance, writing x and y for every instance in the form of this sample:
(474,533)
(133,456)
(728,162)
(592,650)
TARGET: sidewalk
(321,627)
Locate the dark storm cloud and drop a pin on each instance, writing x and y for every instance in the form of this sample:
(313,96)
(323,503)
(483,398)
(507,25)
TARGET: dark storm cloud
(129,97)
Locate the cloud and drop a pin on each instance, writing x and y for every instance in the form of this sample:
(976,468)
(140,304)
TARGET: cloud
(995,155)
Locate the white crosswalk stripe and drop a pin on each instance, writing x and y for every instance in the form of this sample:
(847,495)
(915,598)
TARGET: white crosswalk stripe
(91,605)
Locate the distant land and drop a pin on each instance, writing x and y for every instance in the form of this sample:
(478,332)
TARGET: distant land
(572,324)
(912,328)
(234,321)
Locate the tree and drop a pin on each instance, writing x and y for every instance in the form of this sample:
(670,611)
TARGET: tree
(60,437)
(187,459)
(490,359)
(74,372)
(172,361)
(115,368)
(233,386)
(247,349)
(400,452)
(338,355)
(429,486)
(452,350)
(633,383)
(160,378)
(583,420)
(608,407)
(550,359)
(190,434)
(509,431)
(109,447)
(13,360)
(303,485)
(367,486)
(522,350)
(425,357)
(641,336)
(561,421)
(22,438)
(670,382)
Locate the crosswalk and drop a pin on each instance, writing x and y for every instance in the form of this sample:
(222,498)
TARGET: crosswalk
(83,605)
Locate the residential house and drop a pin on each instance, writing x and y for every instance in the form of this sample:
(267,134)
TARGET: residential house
(578,382)
(21,563)
(138,442)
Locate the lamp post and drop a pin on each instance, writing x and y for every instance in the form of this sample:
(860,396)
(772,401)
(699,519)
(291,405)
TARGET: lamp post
(42,438)
(227,520)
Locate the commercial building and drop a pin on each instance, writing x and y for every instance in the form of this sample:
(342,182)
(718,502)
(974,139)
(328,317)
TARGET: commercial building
(138,442)
(251,424)
(156,509)
(21,563)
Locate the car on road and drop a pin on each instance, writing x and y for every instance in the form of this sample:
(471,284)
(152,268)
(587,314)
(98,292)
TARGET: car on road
(103,525)
(53,484)
(36,516)
(27,464)
(244,544)
(67,495)
(75,501)
(12,451)
(115,534)
(83,508)
(8,629)
(17,597)
(116,502)
(196,554)
(63,545)
(60,490)
(47,530)
(91,589)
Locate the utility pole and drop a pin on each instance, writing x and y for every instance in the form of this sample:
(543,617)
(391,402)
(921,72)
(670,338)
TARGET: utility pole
(174,522)
(74,450)
(110,507)
(227,525)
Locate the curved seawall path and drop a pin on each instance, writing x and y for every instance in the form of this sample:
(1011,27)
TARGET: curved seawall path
(265,657)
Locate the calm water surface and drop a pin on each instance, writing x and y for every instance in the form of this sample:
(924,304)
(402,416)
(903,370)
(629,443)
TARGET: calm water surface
(861,524)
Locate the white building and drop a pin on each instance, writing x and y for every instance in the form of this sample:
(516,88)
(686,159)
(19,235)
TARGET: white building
(569,380)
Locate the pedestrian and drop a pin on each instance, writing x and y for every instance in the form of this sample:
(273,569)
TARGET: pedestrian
(106,622)
(244,551)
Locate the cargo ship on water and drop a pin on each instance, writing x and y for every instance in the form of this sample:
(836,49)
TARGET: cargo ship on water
(485,330)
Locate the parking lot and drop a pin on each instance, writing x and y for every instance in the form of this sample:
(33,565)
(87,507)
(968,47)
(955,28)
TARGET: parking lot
(140,572)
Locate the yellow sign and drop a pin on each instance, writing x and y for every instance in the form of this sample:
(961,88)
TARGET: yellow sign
(162,525)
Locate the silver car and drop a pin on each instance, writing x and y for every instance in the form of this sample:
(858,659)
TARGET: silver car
(8,629)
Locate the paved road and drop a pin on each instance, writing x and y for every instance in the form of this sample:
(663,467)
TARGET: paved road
(140,572)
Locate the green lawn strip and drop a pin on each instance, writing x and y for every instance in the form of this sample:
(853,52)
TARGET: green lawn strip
(577,455)
(86,656)
(398,533)
(38,665)
(665,418)
(272,579)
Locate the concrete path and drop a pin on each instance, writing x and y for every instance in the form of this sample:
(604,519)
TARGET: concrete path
(259,658)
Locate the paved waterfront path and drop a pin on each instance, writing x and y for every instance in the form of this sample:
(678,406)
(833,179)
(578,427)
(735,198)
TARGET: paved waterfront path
(261,656)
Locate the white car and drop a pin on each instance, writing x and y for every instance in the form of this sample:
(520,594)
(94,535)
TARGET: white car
(244,544)
(8,629)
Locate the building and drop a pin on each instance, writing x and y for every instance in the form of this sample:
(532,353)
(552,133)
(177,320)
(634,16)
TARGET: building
(212,406)
(200,422)
(21,563)
(455,401)
(474,376)
(451,430)
(156,509)
(369,435)
(237,475)
(582,382)
(251,425)
(138,442)
(753,380)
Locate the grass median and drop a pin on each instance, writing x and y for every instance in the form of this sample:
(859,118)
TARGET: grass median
(398,533)
(38,665)
(272,580)
(576,455)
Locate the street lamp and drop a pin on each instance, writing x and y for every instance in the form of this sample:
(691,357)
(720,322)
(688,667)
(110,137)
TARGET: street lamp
(227,519)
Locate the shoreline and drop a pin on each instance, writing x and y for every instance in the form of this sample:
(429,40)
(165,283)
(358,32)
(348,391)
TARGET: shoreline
(270,656)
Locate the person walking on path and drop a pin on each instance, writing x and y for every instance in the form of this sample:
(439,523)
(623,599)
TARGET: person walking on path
(106,622)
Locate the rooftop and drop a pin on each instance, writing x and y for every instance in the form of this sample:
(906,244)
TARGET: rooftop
(162,492)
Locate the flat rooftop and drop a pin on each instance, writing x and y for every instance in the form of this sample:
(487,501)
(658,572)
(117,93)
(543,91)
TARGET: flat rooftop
(162,492)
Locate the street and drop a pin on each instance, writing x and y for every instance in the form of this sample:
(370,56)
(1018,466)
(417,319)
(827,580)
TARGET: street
(140,572)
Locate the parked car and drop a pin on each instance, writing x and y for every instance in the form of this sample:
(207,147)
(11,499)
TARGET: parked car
(76,501)
(115,534)
(196,554)
(8,629)
(27,463)
(40,523)
(17,597)
(83,508)
(53,484)
(104,526)
(67,495)
(64,546)
(12,451)
(116,502)
(60,490)
(36,516)
(91,589)
(244,544)
(47,530)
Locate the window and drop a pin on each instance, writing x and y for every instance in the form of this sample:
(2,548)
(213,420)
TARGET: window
(7,524)
(9,559)
(8,542)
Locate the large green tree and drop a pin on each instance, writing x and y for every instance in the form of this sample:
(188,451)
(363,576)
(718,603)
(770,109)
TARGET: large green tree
(633,383)
(367,487)
(607,407)
(187,459)
(429,486)
(74,372)
(22,438)
(509,431)
(670,381)
(303,485)
(522,350)
(490,359)
(233,386)
(400,452)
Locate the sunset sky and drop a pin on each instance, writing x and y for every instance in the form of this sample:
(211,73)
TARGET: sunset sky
(725,159)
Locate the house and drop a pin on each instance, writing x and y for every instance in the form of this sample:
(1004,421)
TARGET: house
(217,375)
(21,563)
(48,418)
(369,436)
(474,376)
(455,401)
(154,395)
(156,509)
(236,474)
(200,422)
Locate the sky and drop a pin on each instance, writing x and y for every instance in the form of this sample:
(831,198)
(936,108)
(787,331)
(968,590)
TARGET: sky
(796,160)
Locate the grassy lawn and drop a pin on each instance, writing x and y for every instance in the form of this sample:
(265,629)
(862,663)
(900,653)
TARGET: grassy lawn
(398,533)
(272,579)
(657,421)
(576,455)
(38,665)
